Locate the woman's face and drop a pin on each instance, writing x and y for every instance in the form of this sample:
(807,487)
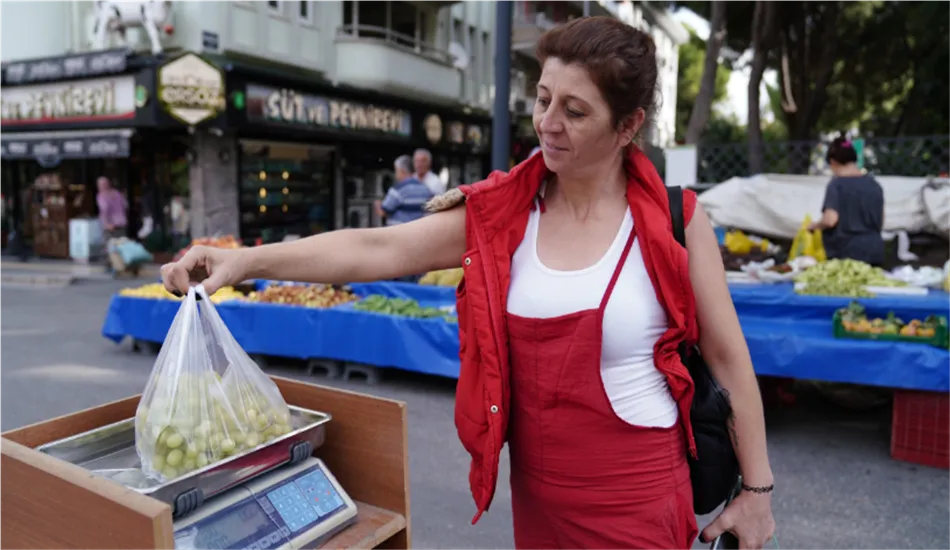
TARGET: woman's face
(573,121)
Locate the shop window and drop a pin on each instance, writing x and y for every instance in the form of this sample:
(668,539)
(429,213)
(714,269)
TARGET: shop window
(286,189)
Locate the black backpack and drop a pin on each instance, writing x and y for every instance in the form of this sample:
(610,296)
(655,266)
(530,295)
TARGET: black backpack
(714,472)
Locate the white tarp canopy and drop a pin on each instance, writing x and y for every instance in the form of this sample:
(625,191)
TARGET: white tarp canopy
(774,205)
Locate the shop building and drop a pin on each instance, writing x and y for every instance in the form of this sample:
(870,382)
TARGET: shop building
(269,119)
(67,121)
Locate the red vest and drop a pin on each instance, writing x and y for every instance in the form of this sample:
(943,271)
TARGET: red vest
(496,218)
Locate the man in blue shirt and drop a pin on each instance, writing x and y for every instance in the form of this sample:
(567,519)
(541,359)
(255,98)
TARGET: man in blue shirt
(406,199)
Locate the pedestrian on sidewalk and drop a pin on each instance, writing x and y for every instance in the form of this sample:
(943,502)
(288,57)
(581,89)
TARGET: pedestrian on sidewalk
(405,201)
(422,163)
(576,302)
(113,213)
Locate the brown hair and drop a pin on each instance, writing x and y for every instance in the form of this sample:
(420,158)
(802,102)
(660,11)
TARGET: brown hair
(620,59)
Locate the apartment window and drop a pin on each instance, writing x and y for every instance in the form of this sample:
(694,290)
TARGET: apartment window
(274,6)
(402,23)
(487,65)
(304,11)
(458,35)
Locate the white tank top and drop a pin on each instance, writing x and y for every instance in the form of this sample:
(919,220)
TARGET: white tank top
(633,322)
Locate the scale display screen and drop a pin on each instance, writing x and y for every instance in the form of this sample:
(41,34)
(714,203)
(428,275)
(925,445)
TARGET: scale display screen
(232,528)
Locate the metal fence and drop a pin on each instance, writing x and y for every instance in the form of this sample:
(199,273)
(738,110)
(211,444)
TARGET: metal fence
(919,156)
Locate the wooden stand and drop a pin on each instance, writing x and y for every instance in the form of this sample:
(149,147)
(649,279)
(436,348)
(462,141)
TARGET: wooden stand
(49,503)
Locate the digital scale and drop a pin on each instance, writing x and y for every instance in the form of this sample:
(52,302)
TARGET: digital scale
(296,506)
(273,496)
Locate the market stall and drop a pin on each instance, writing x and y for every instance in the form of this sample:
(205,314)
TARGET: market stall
(50,500)
(339,333)
(790,335)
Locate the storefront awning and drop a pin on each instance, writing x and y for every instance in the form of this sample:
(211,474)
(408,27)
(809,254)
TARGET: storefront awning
(80,144)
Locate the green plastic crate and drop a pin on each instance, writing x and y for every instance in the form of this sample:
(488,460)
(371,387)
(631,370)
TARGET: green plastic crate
(940,338)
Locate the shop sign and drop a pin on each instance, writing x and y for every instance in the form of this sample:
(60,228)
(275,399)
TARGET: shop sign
(190,89)
(433,128)
(68,67)
(456,133)
(474,135)
(107,145)
(285,106)
(80,100)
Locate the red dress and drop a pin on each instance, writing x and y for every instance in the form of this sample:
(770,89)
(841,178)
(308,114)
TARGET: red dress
(582,477)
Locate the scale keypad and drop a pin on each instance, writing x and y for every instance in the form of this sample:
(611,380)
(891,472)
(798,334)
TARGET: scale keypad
(306,500)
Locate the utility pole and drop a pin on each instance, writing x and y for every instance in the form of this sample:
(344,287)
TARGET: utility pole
(501,113)
(586,8)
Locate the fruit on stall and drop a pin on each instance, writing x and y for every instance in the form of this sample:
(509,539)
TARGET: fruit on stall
(193,421)
(157,291)
(737,242)
(320,296)
(781,268)
(402,306)
(445,277)
(227,241)
(843,278)
(854,319)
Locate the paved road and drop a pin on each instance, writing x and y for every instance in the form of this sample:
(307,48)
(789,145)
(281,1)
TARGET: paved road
(837,487)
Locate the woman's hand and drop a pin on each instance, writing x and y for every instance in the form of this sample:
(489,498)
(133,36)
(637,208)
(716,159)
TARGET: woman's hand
(212,267)
(748,517)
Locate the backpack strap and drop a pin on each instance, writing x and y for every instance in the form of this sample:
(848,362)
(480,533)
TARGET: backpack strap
(676,213)
(675,194)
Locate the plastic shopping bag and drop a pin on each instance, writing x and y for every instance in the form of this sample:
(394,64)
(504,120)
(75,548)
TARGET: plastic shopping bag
(256,399)
(132,252)
(807,243)
(195,410)
(818,247)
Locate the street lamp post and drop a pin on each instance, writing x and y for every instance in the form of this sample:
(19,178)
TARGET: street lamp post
(501,115)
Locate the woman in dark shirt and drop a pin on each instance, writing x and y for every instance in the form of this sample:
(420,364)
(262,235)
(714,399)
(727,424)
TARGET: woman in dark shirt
(853,212)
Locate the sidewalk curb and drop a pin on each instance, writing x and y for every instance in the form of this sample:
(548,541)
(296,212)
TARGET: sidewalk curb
(37,280)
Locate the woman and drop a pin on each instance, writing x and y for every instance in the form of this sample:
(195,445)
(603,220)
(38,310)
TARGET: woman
(853,212)
(575,299)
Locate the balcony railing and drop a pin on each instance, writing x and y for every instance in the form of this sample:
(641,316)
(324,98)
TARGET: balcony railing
(394,39)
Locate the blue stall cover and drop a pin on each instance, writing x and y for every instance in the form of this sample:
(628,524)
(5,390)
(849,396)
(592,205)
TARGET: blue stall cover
(786,336)
(807,350)
(780,301)
(429,346)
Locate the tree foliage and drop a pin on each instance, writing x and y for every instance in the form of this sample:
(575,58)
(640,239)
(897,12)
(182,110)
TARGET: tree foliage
(881,68)
(692,56)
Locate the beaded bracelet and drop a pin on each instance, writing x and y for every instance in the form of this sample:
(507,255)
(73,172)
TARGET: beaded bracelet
(758,490)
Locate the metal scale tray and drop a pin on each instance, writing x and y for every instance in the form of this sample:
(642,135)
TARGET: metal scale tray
(109,452)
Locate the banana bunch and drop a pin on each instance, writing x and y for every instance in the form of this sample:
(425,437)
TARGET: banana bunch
(157,291)
(445,277)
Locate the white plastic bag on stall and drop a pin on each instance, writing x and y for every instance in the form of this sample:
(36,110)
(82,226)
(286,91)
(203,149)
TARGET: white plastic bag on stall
(193,412)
